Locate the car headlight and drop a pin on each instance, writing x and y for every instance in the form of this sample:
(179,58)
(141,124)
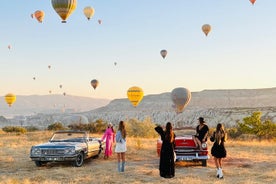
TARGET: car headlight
(204,145)
(69,150)
(35,151)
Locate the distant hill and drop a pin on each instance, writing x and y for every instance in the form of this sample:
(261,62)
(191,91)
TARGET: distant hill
(33,104)
(224,106)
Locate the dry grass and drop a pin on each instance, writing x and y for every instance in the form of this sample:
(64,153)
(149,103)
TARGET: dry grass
(247,163)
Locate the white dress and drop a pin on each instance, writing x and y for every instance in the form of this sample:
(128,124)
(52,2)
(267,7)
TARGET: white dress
(120,143)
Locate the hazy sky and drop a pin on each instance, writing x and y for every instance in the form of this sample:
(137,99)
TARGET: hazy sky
(239,52)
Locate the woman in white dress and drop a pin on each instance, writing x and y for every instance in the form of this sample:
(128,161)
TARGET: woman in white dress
(120,148)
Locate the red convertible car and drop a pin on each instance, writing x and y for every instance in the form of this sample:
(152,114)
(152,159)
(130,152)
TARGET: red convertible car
(185,148)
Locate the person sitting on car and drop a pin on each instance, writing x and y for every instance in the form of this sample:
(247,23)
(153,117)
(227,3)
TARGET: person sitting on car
(202,131)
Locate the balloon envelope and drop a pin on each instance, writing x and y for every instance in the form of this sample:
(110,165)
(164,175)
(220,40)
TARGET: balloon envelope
(88,12)
(252,1)
(64,8)
(10,98)
(135,95)
(163,53)
(94,83)
(206,28)
(181,98)
(39,15)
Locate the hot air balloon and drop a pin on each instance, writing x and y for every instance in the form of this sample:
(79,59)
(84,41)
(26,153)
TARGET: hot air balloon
(9,47)
(100,21)
(64,94)
(64,8)
(10,98)
(60,86)
(163,53)
(252,1)
(206,28)
(39,15)
(33,78)
(94,83)
(115,63)
(135,95)
(181,98)
(50,91)
(88,12)
(49,66)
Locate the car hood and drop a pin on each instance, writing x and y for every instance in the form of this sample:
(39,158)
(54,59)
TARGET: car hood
(59,144)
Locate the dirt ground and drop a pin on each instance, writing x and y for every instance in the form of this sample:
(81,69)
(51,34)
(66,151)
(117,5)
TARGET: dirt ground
(246,163)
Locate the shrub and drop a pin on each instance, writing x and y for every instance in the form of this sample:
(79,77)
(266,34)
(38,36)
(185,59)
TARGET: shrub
(136,128)
(31,128)
(56,126)
(14,129)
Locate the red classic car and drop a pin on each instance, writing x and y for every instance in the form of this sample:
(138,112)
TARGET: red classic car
(185,148)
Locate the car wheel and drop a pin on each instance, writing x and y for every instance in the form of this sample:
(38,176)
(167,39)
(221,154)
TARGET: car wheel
(39,163)
(204,163)
(79,160)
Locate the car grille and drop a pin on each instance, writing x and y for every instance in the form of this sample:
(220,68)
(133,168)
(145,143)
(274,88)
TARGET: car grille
(52,151)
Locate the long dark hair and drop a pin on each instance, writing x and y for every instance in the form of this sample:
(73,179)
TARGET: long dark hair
(169,132)
(122,129)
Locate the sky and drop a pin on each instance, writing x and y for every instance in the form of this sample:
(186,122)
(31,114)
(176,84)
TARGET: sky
(238,53)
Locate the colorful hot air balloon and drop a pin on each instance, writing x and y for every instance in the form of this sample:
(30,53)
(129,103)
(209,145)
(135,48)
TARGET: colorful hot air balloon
(9,47)
(163,53)
(94,83)
(100,21)
(64,8)
(60,86)
(135,95)
(88,12)
(10,98)
(252,1)
(206,28)
(39,15)
(181,98)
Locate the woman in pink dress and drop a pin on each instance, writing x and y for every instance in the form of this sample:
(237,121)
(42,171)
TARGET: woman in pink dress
(109,137)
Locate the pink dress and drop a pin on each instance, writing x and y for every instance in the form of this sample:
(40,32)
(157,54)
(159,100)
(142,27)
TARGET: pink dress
(109,137)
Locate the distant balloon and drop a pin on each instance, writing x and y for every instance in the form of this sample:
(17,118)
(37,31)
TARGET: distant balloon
(49,66)
(94,83)
(181,98)
(60,86)
(135,95)
(252,1)
(10,98)
(9,47)
(100,21)
(50,91)
(39,15)
(64,94)
(163,53)
(33,78)
(206,28)
(64,8)
(115,63)
(88,12)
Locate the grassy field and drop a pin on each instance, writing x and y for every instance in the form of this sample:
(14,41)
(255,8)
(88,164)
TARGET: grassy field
(249,162)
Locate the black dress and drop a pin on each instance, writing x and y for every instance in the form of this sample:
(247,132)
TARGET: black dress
(201,132)
(166,164)
(218,150)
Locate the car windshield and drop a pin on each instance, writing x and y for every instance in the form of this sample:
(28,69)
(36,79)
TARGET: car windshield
(182,132)
(68,137)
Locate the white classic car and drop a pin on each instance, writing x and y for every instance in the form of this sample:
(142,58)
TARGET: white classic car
(64,146)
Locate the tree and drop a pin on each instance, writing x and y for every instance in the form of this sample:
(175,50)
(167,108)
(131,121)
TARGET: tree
(254,125)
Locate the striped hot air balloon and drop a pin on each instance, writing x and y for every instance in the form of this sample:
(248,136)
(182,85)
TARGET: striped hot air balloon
(64,8)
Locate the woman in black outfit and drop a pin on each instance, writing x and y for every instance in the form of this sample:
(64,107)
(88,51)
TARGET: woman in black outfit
(166,164)
(218,150)
(202,131)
